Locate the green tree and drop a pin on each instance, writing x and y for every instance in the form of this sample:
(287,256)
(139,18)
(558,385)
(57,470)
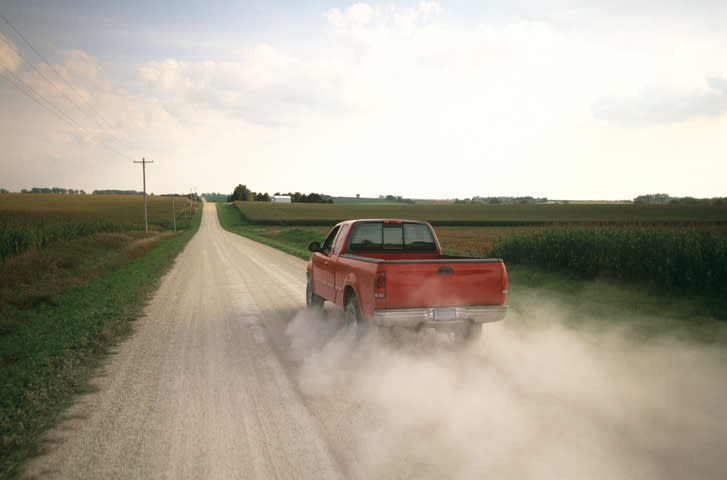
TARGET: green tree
(241,194)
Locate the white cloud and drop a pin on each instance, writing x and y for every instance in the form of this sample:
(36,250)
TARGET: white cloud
(430,9)
(660,105)
(357,15)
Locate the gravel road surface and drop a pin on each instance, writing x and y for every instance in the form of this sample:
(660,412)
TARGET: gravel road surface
(228,376)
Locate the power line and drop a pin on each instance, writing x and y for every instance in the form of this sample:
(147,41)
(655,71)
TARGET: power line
(29,91)
(56,71)
(74,103)
(34,95)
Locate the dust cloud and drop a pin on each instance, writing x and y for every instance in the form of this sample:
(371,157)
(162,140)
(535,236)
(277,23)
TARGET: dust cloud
(534,399)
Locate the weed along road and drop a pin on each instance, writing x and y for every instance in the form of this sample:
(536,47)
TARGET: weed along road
(229,376)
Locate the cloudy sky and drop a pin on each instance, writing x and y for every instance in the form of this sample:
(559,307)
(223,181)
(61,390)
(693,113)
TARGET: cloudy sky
(565,99)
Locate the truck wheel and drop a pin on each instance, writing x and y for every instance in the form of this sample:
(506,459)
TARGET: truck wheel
(311,299)
(353,312)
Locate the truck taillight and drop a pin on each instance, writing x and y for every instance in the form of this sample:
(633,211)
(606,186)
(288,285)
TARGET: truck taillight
(380,285)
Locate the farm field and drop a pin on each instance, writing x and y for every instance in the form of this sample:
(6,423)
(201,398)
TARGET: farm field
(117,208)
(262,213)
(32,221)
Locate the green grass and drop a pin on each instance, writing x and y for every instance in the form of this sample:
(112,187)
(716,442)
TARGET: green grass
(53,347)
(293,241)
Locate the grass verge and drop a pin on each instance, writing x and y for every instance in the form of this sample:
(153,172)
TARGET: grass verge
(292,241)
(48,356)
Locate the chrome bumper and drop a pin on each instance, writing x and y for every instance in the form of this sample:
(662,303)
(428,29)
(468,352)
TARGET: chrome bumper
(438,317)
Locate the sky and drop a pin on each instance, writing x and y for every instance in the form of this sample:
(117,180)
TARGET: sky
(563,99)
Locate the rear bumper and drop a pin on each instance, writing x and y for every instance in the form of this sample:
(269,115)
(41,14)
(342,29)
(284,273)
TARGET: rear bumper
(439,317)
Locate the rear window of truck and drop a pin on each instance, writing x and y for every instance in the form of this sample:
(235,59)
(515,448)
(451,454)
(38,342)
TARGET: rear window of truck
(391,237)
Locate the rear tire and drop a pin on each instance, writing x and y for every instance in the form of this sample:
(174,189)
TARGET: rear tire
(353,313)
(312,300)
(354,325)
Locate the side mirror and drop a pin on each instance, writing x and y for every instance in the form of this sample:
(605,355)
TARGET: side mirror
(314,247)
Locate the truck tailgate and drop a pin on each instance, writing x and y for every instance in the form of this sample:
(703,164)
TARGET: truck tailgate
(444,283)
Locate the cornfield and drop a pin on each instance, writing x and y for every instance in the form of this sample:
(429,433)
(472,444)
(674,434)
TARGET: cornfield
(694,259)
(20,232)
(30,222)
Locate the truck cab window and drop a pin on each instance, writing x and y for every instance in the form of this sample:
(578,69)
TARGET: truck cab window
(326,248)
(339,240)
(392,237)
(366,236)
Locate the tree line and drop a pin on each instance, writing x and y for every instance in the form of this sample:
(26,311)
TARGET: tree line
(244,194)
(664,198)
(503,200)
(56,190)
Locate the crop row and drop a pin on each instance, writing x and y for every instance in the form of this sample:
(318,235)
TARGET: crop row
(21,232)
(694,259)
(265,213)
(30,222)
(117,208)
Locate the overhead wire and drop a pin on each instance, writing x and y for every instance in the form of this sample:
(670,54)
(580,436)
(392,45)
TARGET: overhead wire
(34,95)
(38,98)
(44,77)
(44,102)
(57,73)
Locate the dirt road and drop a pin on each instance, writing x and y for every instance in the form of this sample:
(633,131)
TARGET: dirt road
(227,376)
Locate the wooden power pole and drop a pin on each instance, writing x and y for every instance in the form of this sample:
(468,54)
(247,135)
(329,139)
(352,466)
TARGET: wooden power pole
(143,169)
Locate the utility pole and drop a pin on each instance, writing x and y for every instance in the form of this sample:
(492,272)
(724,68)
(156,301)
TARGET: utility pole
(143,169)
(174,215)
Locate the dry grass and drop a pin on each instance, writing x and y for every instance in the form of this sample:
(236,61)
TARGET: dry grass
(476,241)
(38,276)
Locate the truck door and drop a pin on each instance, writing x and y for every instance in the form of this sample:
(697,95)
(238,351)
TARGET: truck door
(324,267)
(334,269)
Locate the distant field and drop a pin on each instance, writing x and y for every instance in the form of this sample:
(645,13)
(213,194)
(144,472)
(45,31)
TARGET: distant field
(261,213)
(31,221)
(118,208)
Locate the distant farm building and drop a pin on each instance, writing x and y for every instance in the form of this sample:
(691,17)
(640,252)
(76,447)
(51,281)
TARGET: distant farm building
(281,199)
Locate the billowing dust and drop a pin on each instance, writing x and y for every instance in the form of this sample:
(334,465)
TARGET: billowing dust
(533,399)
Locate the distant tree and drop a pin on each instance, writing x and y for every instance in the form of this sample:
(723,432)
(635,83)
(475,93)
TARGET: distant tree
(241,194)
(54,190)
(2,190)
(215,197)
(298,197)
(117,192)
(653,198)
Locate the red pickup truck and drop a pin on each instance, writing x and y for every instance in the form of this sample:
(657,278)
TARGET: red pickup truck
(392,273)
